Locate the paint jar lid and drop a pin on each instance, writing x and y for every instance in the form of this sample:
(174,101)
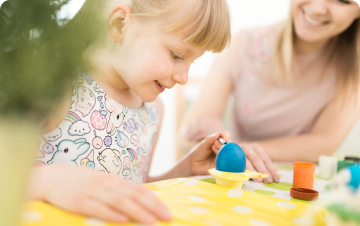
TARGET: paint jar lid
(304,166)
(304,194)
(355,159)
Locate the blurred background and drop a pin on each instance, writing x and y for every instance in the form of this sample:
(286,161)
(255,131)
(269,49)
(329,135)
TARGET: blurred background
(245,14)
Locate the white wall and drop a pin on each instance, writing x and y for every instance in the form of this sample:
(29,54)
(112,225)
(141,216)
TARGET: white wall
(244,14)
(70,9)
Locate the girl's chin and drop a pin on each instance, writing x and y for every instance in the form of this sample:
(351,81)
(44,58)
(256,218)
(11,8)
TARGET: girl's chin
(149,98)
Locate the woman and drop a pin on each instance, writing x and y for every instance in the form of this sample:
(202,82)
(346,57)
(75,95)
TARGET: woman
(295,86)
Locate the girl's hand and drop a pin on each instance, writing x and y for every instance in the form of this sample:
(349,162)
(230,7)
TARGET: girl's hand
(202,159)
(96,194)
(258,160)
(200,127)
(202,156)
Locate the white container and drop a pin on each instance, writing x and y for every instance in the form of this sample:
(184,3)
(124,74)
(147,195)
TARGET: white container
(327,166)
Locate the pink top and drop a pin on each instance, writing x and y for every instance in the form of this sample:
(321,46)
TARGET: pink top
(262,108)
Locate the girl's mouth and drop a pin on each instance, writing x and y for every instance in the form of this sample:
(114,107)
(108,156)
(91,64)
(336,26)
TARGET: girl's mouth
(159,86)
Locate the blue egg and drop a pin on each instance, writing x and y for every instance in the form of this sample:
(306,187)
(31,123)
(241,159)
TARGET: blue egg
(231,158)
(355,176)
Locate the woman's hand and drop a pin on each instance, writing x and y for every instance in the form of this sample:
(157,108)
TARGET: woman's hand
(258,160)
(202,156)
(96,194)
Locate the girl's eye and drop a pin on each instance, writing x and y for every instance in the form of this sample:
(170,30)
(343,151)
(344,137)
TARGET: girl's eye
(176,56)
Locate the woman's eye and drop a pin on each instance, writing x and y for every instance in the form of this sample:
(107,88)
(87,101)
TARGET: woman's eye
(176,56)
(345,1)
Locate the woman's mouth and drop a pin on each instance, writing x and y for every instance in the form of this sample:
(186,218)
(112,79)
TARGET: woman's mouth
(313,22)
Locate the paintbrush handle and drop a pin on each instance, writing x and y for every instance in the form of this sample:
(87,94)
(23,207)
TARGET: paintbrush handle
(221,140)
(253,174)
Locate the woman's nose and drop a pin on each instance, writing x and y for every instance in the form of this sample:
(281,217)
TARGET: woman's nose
(319,7)
(181,78)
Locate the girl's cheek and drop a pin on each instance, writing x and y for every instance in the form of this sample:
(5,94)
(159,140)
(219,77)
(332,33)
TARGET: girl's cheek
(166,67)
(184,67)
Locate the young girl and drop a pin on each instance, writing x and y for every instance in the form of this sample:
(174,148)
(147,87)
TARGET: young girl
(102,137)
(295,86)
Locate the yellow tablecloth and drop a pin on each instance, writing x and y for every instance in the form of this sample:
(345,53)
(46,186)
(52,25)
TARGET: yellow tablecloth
(194,202)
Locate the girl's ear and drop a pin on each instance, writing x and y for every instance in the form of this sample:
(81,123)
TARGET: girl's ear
(119,18)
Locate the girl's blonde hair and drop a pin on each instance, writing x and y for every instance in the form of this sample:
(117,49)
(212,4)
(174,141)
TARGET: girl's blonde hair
(205,23)
(343,53)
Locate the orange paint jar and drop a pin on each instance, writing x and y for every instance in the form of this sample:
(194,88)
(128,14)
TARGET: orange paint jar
(303,175)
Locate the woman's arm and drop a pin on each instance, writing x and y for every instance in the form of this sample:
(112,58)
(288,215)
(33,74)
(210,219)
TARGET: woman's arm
(330,129)
(207,112)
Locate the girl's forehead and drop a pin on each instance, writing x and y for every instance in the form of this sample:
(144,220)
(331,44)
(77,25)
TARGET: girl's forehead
(177,40)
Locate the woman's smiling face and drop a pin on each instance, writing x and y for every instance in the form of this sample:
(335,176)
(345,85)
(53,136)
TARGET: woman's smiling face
(321,20)
(153,61)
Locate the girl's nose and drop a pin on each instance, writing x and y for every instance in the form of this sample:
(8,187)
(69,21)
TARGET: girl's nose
(181,78)
(319,7)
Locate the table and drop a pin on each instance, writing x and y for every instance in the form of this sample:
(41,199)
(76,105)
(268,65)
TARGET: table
(279,190)
(195,201)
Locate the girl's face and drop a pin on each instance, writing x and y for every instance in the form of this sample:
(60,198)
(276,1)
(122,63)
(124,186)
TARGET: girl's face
(320,20)
(150,62)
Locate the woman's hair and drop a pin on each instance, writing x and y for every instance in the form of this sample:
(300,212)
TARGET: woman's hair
(205,23)
(343,53)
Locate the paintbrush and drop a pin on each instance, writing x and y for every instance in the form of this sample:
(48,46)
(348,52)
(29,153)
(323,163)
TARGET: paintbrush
(221,140)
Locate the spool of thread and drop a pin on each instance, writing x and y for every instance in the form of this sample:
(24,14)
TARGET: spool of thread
(303,175)
(327,166)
